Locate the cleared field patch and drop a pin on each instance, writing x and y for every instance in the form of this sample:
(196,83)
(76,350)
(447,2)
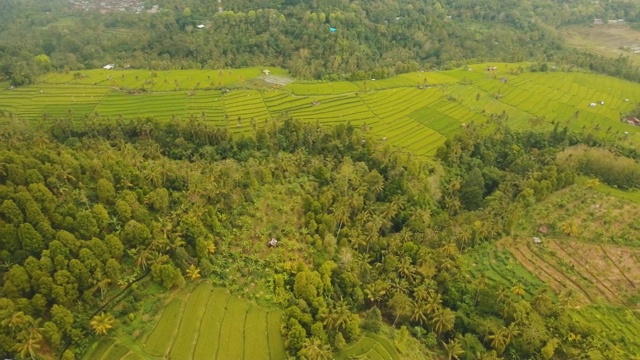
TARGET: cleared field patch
(600,273)
(607,40)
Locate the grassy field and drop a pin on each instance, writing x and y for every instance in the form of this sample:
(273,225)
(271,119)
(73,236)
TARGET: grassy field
(416,111)
(202,323)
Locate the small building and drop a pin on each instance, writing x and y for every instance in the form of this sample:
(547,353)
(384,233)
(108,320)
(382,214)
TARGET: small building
(601,102)
(492,68)
(109,66)
(597,22)
(543,229)
(266,72)
(273,242)
(503,80)
(201,26)
(537,240)
(592,105)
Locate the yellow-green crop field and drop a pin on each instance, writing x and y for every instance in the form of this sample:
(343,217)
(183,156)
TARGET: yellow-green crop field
(416,112)
(205,323)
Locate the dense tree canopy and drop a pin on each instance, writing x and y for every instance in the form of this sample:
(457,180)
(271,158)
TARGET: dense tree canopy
(90,210)
(372,38)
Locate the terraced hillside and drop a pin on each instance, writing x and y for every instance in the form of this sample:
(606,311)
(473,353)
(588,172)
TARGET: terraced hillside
(206,323)
(415,111)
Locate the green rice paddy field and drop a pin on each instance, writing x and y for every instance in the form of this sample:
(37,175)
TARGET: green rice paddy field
(206,323)
(416,111)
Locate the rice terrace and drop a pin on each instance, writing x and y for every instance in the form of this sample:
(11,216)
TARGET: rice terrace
(206,323)
(416,111)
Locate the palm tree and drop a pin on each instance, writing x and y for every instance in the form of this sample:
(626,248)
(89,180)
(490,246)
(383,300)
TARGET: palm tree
(401,305)
(376,291)
(512,331)
(314,349)
(433,303)
(419,312)
(443,320)
(453,349)
(518,289)
(569,228)
(102,323)
(480,283)
(29,342)
(339,317)
(193,272)
(499,339)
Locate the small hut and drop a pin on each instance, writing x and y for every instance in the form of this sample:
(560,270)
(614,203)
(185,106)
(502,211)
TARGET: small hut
(537,240)
(273,242)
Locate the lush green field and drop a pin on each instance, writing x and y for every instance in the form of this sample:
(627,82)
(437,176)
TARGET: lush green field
(415,111)
(370,346)
(205,322)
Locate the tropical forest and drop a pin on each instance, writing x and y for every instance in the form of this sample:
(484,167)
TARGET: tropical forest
(319,179)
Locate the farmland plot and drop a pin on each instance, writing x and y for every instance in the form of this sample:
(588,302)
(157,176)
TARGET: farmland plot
(438,103)
(204,323)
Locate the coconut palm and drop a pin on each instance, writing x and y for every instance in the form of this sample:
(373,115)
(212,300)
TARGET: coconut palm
(401,305)
(101,323)
(569,228)
(315,349)
(419,312)
(518,289)
(193,272)
(443,320)
(453,349)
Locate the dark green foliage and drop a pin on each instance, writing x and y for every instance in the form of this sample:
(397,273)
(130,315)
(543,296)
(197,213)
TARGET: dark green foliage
(373,39)
(375,239)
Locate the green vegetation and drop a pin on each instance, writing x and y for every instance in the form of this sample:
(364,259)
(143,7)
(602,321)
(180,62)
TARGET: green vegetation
(415,117)
(113,215)
(370,346)
(444,179)
(204,322)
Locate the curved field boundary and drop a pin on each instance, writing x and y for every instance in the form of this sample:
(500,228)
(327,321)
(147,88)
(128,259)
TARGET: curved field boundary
(101,348)
(370,346)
